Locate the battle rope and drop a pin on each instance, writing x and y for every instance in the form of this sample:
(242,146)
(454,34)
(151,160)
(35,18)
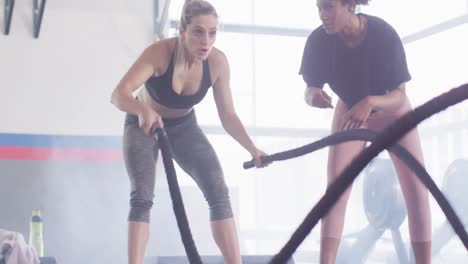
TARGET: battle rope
(398,150)
(177,203)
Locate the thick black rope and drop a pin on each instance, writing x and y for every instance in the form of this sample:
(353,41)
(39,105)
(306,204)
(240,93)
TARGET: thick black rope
(398,150)
(340,137)
(385,139)
(177,202)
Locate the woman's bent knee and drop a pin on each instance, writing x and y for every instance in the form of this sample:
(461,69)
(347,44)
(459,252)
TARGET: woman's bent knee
(140,210)
(221,211)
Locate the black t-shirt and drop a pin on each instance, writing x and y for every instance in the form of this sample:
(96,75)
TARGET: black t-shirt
(375,67)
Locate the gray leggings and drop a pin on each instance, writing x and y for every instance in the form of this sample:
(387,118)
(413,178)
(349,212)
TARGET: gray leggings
(191,151)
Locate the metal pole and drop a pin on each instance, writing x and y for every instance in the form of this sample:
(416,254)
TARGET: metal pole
(160,18)
(38,12)
(8,14)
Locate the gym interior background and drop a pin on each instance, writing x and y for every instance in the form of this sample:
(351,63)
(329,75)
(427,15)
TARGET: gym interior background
(60,137)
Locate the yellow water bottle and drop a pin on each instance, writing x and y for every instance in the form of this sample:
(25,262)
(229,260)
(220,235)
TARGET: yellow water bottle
(35,233)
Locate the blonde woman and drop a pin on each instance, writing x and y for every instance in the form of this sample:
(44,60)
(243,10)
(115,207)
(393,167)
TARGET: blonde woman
(177,73)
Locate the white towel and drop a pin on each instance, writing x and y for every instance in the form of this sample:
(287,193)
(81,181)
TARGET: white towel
(18,251)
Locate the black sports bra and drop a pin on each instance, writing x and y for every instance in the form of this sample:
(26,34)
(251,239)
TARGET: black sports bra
(161,90)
